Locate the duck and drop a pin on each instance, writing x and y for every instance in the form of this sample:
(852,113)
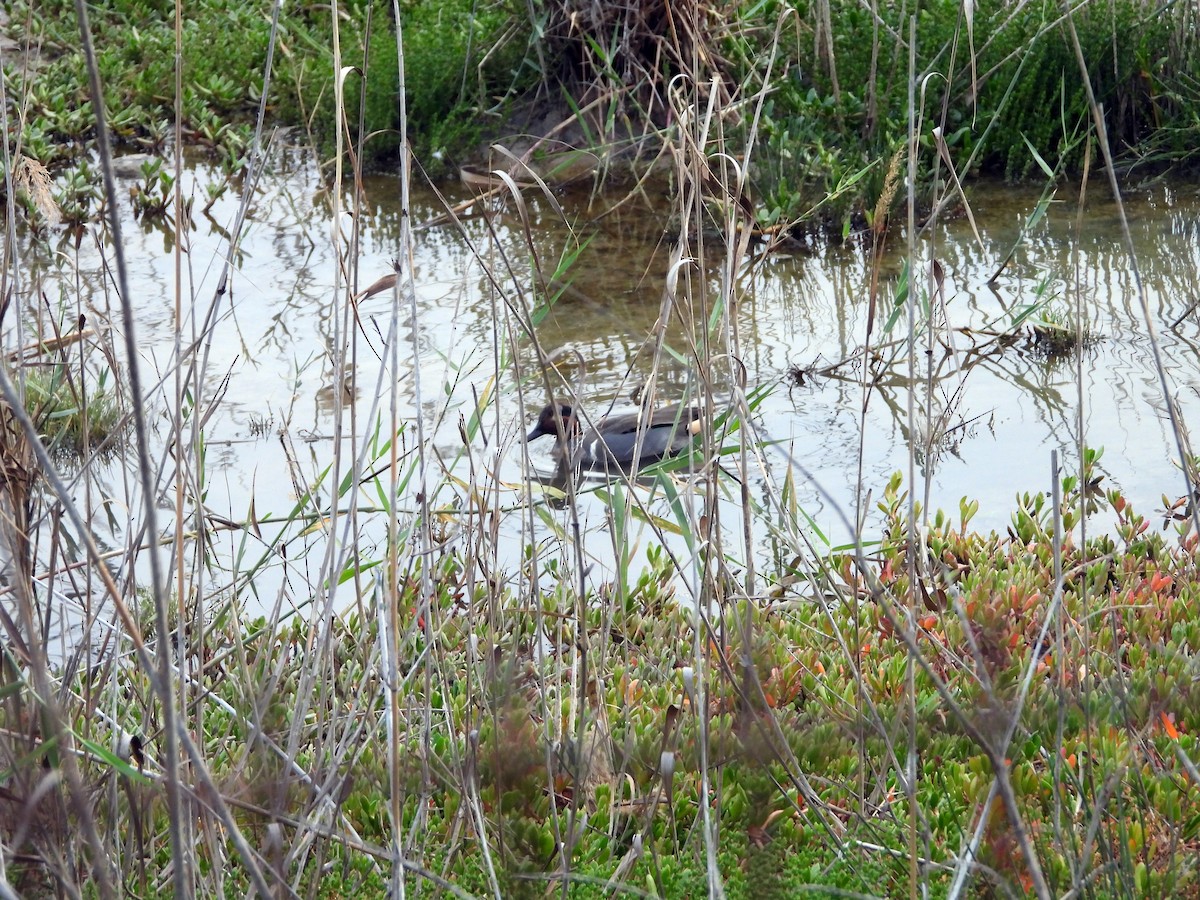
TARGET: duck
(616,441)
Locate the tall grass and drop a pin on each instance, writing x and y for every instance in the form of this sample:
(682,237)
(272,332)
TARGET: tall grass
(932,711)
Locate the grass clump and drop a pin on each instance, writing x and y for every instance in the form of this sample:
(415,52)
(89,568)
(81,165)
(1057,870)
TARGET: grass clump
(1054,337)
(1009,83)
(459,67)
(72,417)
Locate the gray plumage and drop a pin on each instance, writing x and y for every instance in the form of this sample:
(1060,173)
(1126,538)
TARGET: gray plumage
(613,442)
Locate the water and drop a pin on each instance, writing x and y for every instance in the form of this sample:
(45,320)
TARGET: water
(270,391)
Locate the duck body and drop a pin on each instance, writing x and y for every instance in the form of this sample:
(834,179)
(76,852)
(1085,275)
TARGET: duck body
(617,442)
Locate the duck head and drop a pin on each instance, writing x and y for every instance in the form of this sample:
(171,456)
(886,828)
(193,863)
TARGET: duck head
(547,424)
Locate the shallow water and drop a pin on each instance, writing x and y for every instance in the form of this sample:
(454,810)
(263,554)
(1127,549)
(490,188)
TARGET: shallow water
(270,394)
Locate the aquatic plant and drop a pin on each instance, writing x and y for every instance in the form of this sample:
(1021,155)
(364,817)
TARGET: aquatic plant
(70,416)
(1054,336)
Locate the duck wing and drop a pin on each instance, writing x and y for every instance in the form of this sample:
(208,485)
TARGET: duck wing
(615,439)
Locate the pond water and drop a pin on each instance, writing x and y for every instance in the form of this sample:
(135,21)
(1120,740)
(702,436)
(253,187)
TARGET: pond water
(271,395)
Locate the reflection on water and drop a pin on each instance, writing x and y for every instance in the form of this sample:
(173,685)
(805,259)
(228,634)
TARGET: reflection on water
(995,416)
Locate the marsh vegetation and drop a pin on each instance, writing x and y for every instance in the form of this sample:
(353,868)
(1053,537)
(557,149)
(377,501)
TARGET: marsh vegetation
(249,647)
